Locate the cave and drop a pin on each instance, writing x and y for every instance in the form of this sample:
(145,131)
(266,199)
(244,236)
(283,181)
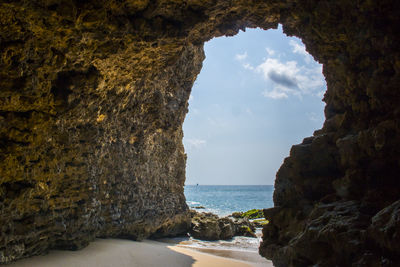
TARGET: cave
(92,100)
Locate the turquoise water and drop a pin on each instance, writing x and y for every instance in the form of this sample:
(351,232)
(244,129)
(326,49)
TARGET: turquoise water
(226,199)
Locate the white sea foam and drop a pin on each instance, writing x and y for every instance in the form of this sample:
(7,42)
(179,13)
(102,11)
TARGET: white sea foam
(237,243)
(223,201)
(192,203)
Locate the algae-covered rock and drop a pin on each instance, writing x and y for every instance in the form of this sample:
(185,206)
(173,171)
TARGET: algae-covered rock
(259,222)
(237,214)
(253,214)
(208,226)
(245,230)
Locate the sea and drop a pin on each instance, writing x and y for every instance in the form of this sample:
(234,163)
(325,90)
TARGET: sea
(223,200)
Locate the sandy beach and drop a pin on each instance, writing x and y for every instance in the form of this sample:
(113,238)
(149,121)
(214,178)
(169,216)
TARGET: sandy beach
(121,253)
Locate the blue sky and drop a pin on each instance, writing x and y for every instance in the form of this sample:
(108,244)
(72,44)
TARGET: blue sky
(258,93)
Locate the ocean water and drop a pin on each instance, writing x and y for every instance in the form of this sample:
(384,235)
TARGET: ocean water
(226,199)
(223,200)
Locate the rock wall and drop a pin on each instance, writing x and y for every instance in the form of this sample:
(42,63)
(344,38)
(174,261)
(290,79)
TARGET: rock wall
(91,128)
(337,195)
(93,95)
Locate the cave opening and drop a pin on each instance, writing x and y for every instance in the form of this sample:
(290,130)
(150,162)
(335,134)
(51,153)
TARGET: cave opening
(84,158)
(258,93)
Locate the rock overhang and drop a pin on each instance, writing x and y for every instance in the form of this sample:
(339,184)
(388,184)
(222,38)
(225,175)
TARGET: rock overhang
(94,94)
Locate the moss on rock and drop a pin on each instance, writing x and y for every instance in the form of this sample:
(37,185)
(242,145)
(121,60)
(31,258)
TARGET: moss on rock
(253,214)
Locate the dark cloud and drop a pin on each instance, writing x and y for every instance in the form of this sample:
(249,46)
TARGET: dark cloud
(282,79)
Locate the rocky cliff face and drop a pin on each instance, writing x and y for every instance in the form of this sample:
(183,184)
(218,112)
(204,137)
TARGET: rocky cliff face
(92,100)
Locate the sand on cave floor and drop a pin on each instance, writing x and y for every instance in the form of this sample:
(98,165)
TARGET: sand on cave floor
(124,253)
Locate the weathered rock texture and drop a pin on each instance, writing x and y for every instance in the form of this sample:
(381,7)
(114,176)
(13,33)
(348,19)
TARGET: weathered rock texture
(208,226)
(93,95)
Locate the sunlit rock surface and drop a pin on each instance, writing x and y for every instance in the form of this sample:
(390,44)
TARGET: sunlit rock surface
(208,226)
(93,95)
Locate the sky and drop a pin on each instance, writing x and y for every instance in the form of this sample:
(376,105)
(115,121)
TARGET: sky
(257,94)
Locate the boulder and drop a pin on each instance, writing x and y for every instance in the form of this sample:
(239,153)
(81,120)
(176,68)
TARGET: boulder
(205,226)
(198,207)
(259,223)
(208,226)
(253,214)
(385,228)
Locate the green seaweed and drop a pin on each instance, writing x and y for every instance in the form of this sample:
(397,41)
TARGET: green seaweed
(253,214)
(260,222)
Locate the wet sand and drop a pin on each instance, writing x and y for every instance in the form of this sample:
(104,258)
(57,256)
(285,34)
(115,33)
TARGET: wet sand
(250,257)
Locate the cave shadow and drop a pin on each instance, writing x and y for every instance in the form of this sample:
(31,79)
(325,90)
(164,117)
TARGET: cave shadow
(112,252)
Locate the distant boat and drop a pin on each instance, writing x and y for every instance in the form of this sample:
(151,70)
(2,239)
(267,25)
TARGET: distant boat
(197,184)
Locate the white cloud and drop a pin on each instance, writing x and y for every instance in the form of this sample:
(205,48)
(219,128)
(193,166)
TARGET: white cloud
(301,50)
(298,48)
(290,79)
(195,143)
(247,66)
(281,73)
(270,51)
(241,57)
(191,97)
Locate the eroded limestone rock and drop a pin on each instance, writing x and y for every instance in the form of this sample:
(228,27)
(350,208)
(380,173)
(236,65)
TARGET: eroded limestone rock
(208,226)
(93,95)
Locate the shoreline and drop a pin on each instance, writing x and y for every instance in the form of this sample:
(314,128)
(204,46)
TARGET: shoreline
(249,257)
(127,253)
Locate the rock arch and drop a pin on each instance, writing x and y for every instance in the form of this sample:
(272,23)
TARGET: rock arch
(94,93)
